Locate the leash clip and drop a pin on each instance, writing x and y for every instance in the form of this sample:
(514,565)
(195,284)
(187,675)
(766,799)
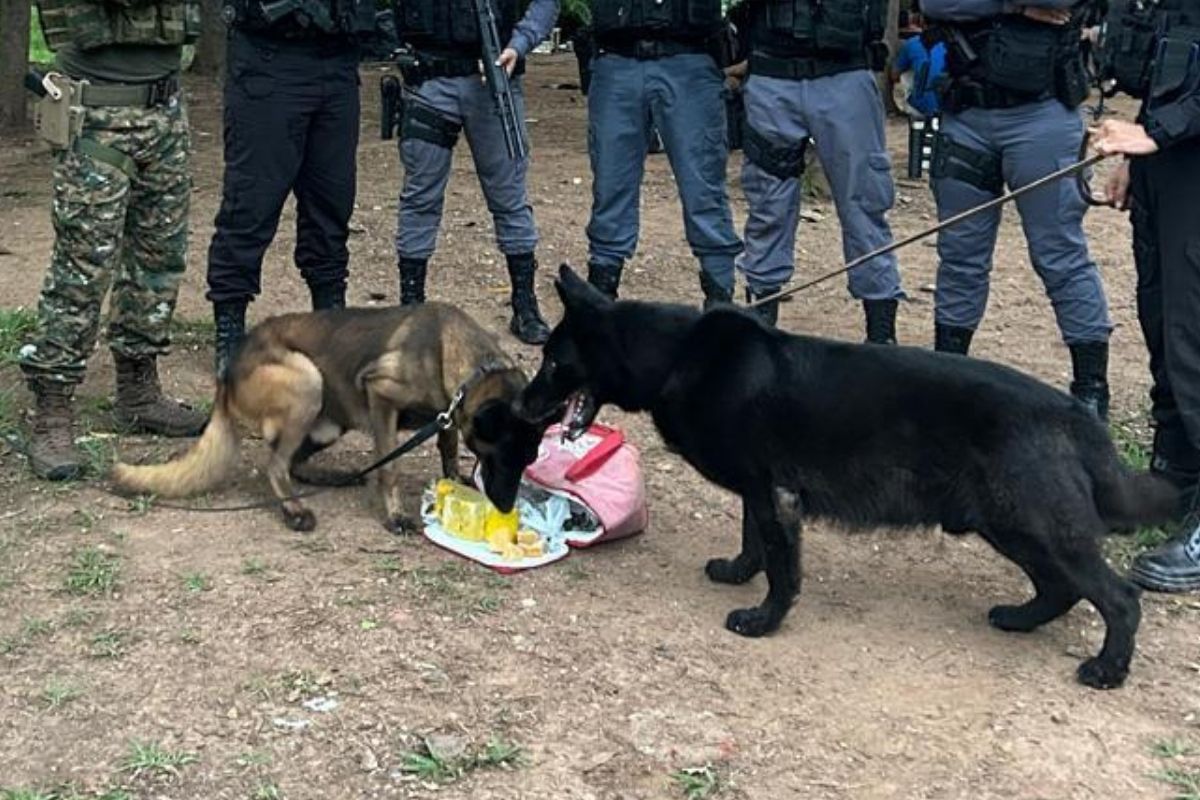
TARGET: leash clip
(445,420)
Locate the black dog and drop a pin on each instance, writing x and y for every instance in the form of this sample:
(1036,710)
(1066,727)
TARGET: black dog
(865,435)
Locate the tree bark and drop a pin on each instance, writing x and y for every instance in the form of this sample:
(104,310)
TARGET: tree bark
(14,61)
(210,50)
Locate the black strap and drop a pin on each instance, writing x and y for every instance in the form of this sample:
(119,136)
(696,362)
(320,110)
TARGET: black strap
(784,161)
(429,125)
(952,160)
(963,94)
(801,68)
(649,49)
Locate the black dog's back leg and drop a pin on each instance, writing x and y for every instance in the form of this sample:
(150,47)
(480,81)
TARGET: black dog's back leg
(776,518)
(1055,593)
(747,563)
(1118,602)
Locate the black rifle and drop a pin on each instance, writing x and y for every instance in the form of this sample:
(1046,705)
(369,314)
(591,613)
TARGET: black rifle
(496,77)
(308,12)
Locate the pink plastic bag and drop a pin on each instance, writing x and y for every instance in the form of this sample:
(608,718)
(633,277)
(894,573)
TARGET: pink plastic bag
(600,470)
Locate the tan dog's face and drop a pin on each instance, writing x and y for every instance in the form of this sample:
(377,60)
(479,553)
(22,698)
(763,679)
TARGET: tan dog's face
(505,444)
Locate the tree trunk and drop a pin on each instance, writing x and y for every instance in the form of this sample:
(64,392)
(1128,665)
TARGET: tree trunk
(14,61)
(891,37)
(210,50)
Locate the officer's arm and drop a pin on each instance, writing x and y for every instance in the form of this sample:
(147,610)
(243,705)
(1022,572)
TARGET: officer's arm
(1175,122)
(967,10)
(535,26)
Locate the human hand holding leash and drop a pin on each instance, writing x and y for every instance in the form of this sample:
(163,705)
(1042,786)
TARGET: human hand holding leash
(1114,136)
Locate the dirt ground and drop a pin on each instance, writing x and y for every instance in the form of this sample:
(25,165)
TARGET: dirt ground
(214,641)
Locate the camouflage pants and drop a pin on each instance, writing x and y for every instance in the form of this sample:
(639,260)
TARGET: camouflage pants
(118,230)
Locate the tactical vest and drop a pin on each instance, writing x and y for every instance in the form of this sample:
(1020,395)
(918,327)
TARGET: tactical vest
(1022,57)
(308,17)
(833,29)
(1148,45)
(450,25)
(89,25)
(684,20)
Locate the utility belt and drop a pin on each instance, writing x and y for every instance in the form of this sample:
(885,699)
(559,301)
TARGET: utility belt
(650,49)
(964,94)
(426,67)
(59,114)
(802,68)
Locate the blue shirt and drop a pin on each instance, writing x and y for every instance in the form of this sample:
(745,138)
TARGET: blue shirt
(926,66)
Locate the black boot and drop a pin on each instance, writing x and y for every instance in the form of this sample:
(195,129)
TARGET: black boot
(881,321)
(412,280)
(328,295)
(768,312)
(230,318)
(605,277)
(949,339)
(714,293)
(527,323)
(1173,566)
(1089,360)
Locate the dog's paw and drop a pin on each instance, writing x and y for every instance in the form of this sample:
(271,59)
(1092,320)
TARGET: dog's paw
(729,570)
(752,622)
(1100,674)
(401,524)
(1012,618)
(303,520)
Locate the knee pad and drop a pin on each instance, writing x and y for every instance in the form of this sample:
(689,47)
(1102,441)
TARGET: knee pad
(961,163)
(784,161)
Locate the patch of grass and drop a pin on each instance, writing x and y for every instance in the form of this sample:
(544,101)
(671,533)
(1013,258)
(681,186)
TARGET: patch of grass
(267,791)
(109,644)
(140,506)
(196,582)
(697,783)
(1185,782)
(17,325)
(1172,748)
(99,454)
(32,628)
(27,794)
(39,53)
(149,758)
(93,572)
(11,644)
(498,754)
(189,636)
(489,604)
(388,564)
(9,417)
(1130,445)
(58,693)
(251,759)
(253,566)
(78,618)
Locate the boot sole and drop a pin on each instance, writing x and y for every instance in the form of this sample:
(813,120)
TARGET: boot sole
(1161,583)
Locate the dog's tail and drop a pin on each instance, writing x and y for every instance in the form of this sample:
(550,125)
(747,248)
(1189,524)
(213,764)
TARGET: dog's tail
(199,469)
(1128,500)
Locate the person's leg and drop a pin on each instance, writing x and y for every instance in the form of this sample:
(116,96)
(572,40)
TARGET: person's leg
(1039,139)
(502,180)
(153,259)
(966,172)
(90,202)
(325,185)
(618,140)
(687,105)
(773,144)
(845,116)
(430,129)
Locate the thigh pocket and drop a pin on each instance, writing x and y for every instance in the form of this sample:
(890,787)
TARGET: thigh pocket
(876,192)
(252,82)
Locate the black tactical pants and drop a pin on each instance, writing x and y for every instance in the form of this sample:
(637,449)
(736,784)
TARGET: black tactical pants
(291,126)
(1165,191)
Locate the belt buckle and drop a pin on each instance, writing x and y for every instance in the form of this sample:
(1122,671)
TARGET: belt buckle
(161,93)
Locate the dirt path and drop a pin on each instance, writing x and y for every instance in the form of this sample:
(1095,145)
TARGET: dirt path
(612,671)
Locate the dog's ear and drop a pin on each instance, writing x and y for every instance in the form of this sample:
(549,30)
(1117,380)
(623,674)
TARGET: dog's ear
(491,421)
(577,294)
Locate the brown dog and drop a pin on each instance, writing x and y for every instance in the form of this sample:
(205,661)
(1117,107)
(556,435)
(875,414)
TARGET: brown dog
(305,379)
